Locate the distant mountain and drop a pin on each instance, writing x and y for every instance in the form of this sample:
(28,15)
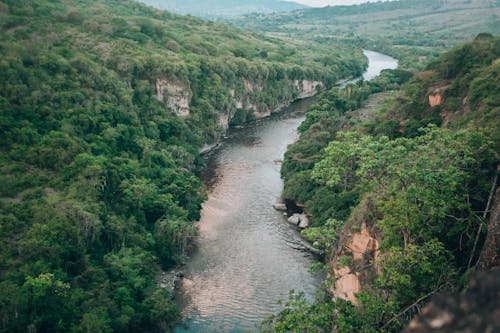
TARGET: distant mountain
(223,8)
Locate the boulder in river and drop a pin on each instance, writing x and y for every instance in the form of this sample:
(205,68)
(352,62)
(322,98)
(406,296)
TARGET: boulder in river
(300,220)
(294,219)
(280,207)
(304,221)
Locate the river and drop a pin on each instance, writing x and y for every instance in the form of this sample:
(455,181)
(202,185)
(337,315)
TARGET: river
(248,256)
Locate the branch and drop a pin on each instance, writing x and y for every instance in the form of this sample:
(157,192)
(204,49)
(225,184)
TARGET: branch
(485,213)
(410,307)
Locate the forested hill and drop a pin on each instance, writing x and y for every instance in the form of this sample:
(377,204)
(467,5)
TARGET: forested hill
(103,107)
(411,30)
(223,8)
(402,198)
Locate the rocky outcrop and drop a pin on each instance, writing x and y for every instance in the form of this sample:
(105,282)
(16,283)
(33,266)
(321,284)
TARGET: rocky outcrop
(436,96)
(306,88)
(175,95)
(362,243)
(245,96)
(347,284)
(362,249)
(223,121)
(435,99)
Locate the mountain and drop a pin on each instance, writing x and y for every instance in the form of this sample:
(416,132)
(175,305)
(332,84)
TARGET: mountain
(223,8)
(414,31)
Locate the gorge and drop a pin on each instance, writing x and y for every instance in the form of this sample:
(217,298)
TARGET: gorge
(248,256)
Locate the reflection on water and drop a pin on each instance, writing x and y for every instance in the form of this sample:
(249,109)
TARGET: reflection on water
(247,257)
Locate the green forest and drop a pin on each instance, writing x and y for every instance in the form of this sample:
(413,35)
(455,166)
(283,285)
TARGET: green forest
(99,177)
(105,106)
(417,177)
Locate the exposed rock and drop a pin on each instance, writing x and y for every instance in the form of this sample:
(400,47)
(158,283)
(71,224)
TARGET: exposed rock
(304,221)
(280,207)
(436,96)
(294,219)
(362,248)
(362,243)
(249,87)
(346,284)
(435,100)
(223,121)
(306,88)
(477,310)
(175,95)
(262,114)
(169,279)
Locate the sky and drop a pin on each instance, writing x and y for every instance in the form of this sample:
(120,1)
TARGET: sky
(323,3)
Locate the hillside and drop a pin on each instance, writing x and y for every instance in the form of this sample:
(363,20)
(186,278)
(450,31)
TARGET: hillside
(224,8)
(104,105)
(401,198)
(411,30)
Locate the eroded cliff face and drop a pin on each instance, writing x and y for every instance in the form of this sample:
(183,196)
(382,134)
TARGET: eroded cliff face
(437,97)
(361,249)
(177,96)
(247,96)
(306,88)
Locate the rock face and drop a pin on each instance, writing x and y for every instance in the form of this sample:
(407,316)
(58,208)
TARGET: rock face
(436,96)
(363,243)
(346,284)
(306,88)
(175,95)
(246,96)
(477,310)
(362,248)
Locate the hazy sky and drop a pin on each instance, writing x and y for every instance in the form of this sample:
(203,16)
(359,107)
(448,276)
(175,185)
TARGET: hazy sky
(322,3)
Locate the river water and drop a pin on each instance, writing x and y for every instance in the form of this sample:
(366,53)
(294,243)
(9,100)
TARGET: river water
(248,256)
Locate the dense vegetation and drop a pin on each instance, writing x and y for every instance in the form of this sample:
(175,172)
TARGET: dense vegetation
(413,31)
(417,177)
(223,8)
(98,176)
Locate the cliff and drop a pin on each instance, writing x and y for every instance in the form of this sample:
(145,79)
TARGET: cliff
(176,97)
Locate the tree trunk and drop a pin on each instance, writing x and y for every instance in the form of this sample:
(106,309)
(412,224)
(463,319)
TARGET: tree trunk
(489,254)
